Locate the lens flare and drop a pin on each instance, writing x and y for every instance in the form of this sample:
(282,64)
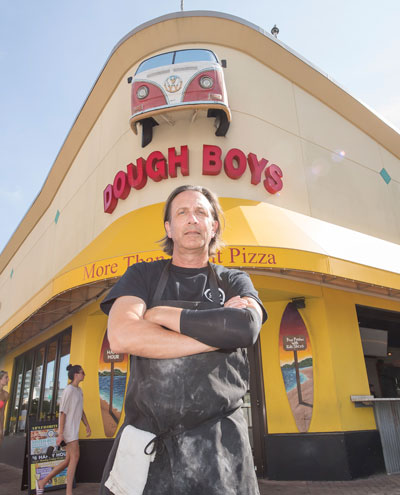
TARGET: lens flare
(319,168)
(338,156)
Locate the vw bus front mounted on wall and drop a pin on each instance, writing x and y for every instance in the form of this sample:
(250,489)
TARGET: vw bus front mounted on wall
(178,81)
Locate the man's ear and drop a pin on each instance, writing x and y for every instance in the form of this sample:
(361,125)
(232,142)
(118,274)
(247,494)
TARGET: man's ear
(167,229)
(214,228)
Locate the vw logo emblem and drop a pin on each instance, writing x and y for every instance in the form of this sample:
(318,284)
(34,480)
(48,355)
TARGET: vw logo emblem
(173,84)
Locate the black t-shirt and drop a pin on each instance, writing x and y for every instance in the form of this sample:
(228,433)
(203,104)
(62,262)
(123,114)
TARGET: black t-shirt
(184,284)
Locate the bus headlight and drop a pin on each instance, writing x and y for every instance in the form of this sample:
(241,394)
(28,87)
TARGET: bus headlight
(206,82)
(142,92)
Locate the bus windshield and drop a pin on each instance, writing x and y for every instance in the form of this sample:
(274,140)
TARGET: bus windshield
(196,55)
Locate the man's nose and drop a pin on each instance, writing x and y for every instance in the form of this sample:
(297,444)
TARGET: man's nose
(192,218)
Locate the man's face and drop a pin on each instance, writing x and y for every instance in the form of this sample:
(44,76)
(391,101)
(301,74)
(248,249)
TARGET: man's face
(191,224)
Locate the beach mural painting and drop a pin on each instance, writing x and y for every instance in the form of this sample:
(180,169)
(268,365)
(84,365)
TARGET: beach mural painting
(113,369)
(297,366)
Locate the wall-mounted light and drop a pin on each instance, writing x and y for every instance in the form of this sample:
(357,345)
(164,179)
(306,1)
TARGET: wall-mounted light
(299,302)
(275,31)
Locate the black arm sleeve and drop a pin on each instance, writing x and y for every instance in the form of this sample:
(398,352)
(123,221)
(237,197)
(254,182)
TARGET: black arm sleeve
(225,328)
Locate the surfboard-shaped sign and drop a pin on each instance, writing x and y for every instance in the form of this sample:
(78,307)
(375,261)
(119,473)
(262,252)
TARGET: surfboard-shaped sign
(297,366)
(113,369)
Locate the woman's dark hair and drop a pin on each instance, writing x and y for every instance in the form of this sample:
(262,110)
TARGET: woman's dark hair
(3,373)
(72,370)
(216,242)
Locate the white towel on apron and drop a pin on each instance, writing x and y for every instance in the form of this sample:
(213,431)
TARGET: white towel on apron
(131,465)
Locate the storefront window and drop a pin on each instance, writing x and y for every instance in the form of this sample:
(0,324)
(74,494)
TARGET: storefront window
(17,395)
(23,414)
(63,373)
(380,339)
(246,408)
(45,411)
(39,377)
(37,382)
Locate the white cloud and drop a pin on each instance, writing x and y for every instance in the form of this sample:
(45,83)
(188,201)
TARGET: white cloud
(11,196)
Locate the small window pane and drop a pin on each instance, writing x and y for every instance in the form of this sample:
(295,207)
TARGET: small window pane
(194,56)
(15,404)
(37,382)
(45,412)
(63,373)
(25,394)
(246,408)
(157,61)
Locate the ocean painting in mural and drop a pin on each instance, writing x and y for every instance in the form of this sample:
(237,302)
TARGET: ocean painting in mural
(297,366)
(113,369)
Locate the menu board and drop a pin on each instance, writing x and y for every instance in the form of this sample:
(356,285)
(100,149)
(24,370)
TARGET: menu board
(44,455)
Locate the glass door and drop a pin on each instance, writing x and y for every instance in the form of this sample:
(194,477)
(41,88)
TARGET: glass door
(254,409)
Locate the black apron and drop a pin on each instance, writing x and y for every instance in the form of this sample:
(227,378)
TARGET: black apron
(193,405)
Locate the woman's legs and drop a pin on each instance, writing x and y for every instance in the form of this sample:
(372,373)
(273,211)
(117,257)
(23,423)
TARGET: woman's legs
(73,452)
(60,467)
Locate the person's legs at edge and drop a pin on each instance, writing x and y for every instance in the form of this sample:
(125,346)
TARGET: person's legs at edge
(60,467)
(73,452)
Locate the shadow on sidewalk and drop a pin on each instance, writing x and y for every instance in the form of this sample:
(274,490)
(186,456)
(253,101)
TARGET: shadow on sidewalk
(376,485)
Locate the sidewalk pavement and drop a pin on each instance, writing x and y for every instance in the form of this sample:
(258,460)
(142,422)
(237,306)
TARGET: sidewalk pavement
(10,483)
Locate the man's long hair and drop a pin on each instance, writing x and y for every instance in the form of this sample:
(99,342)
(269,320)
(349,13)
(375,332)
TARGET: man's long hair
(216,242)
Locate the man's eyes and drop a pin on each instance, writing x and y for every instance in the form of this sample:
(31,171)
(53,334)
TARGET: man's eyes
(198,212)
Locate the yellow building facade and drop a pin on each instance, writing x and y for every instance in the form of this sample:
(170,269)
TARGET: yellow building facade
(319,235)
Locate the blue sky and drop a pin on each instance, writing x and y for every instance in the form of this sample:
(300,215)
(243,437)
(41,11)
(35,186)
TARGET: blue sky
(51,52)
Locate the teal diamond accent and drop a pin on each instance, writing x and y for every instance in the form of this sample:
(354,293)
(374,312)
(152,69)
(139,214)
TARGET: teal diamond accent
(57,217)
(385,176)
(12,273)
